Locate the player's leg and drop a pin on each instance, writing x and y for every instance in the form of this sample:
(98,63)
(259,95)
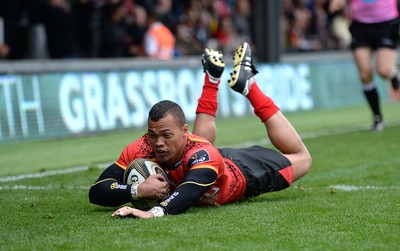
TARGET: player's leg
(386,65)
(279,130)
(386,53)
(204,124)
(363,59)
(385,62)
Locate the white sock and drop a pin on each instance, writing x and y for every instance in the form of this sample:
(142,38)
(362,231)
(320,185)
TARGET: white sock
(395,73)
(369,86)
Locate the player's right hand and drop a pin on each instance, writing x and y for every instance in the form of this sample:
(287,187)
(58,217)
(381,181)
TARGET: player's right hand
(154,187)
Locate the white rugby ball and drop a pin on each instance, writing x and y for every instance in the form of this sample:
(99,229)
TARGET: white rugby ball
(136,173)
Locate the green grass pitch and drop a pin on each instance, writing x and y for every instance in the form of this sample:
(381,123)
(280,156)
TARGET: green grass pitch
(350,200)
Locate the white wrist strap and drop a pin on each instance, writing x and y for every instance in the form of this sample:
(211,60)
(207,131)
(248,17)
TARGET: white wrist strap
(157,211)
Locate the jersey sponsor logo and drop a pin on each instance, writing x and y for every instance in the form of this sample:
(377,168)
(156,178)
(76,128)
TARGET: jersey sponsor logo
(198,157)
(177,164)
(115,185)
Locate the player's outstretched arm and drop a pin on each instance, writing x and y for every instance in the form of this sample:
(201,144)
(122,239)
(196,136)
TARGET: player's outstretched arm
(132,212)
(108,189)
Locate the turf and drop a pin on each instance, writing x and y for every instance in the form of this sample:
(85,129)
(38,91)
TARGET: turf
(350,200)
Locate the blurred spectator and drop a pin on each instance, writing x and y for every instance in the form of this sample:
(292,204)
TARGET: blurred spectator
(221,8)
(37,40)
(147,4)
(186,44)
(4,50)
(340,28)
(241,19)
(136,31)
(89,32)
(201,31)
(289,37)
(93,28)
(114,29)
(320,25)
(59,21)
(302,27)
(165,11)
(228,37)
(10,11)
(198,24)
(159,42)
(85,14)
(308,26)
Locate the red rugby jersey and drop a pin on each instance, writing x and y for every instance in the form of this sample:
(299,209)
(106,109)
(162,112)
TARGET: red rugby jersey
(230,184)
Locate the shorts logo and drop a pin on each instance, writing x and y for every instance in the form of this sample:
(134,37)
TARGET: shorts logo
(198,157)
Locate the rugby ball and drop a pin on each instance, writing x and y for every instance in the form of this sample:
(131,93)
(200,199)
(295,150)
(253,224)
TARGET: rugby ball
(136,173)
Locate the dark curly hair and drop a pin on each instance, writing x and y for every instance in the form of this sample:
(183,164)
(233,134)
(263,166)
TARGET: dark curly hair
(163,108)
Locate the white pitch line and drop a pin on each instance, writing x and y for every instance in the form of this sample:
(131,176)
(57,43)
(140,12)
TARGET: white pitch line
(316,134)
(47,173)
(350,188)
(306,135)
(23,187)
(345,188)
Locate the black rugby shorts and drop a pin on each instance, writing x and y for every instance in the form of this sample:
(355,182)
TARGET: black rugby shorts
(261,168)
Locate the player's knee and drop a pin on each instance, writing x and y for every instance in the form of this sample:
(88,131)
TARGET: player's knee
(366,76)
(308,163)
(384,72)
(303,167)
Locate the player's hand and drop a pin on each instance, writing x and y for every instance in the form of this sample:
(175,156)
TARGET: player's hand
(336,5)
(132,212)
(154,187)
(4,50)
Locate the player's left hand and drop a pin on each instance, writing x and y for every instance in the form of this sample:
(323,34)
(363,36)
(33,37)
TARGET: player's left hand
(132,212)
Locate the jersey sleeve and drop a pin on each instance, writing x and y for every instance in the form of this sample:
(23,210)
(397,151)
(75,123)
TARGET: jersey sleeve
(108,189)
(203,169)
(190,191)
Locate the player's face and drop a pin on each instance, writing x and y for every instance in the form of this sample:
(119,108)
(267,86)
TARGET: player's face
(168,139)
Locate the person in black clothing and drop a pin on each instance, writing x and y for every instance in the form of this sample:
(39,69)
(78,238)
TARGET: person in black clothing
(59,21)
(113,30)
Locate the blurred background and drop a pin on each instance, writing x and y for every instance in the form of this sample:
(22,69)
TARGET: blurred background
(81,67)
(60,29)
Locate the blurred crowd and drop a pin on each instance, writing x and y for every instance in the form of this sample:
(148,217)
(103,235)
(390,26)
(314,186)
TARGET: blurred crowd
(161,29)
(307,25)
